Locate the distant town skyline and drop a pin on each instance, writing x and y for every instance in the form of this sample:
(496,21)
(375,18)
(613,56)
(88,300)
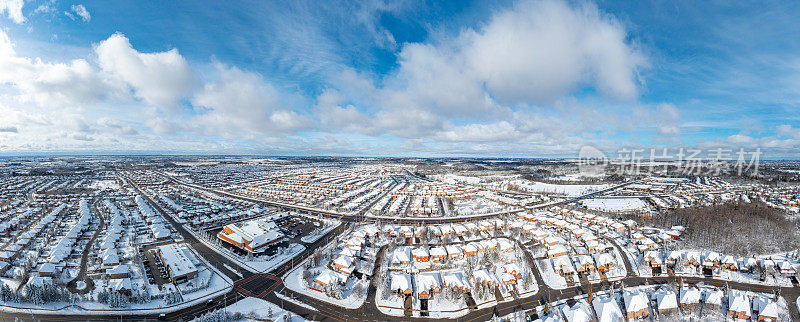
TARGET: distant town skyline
(415,79)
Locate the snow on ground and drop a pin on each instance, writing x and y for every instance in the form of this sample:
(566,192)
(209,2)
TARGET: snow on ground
(261,310)
(566,189)
(440,303)
(773,279)
(294,301)
(551,278)
(456,179)
(104,184)
(294,281)
(13,284)
(259,264)
(476,206)
(579,176)
(614,204)
(268,263)
(387,303)
(317,233)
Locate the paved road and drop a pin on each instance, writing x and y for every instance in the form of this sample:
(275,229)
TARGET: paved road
(72,286)
(370,312)
(323,311)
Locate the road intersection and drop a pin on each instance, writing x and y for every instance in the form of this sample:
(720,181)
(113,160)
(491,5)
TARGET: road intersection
(267,285)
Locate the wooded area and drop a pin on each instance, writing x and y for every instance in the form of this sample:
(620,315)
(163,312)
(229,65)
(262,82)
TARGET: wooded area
(736,228)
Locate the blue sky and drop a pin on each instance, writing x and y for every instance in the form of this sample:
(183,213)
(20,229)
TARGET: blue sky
(408,78)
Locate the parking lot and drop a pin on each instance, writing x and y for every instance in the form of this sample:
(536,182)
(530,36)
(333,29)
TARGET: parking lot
(296,227)
(154,269)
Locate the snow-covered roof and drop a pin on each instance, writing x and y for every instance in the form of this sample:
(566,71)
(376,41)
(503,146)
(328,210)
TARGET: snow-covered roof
(607,309)
(739,303)
(47,268)
(426,281)
(665,299)
(326,277)
(455,279)
(769,310)
(400,281)
(635,301)
(177,259)
(119,284)
(714,297)
(690,296)
(119,269)
(110,257)
(580,312)
(400,254)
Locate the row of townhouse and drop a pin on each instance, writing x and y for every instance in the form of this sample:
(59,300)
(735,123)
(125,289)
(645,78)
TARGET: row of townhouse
(713,260)
(444,230)
(404,255)
(155,221)
(118,273)
(13,250)
(426,285)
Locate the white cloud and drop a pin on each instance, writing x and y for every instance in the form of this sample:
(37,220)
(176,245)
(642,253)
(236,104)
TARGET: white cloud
(241,103)
(13,9)
(498,131)
(332,113)
(160,78)
(51,84)
(787,131)
(669,130)
(541,50)
(534,53)
(531,56)
(81,11)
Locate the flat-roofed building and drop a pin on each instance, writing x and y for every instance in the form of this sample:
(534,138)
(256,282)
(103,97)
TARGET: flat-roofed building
(178,261)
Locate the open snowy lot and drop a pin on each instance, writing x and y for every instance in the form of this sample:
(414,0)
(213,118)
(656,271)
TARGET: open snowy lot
(256,309)
(561,189)
(614,204)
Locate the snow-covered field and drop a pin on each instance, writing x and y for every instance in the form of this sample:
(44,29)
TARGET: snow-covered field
(456,179)
(475,206)
(104,184)
(614,204)
(541,187)
(261,310)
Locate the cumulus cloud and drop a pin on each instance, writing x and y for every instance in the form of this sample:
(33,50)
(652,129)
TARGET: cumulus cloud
(159,78)
(499,87)
(541,50)
(332,113)
(534,53)
(13,9)
(51,83)
(80,10)
(243,103)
